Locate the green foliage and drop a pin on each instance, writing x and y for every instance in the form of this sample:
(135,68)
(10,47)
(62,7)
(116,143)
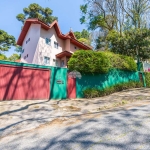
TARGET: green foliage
(147,78)
(36,11)
(135,43)
(6,41)
(94,92)
(3,57)
(121,62)
(18,49)
(97,15)
(83,36)
(77,34)
(85,41)
(14,57)
(99,62)
(89,62)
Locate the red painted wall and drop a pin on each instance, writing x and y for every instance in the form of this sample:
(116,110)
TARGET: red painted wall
(71,88)
(19,83)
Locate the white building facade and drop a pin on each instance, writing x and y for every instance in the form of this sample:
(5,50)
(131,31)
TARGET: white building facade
(46,45)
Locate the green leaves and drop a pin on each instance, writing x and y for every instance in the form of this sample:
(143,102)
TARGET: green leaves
(83,36)
(89,62)
(6,41)
(94,92)
(14,57)
(135,43)
(36,11)
(147,78)
(3,57)
(99,62)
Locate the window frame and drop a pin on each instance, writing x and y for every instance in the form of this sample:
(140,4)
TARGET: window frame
(48,43)
(46,60)
(27,40)
(56,45)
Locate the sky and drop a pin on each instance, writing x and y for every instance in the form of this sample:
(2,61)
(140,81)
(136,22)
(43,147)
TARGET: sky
(67,11)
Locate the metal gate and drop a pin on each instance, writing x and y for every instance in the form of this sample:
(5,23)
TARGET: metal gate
(71,88)
(23,83)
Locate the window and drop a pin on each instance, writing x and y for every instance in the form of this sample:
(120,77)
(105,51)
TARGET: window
(46,60)
(27,40)
(22,51)
(75,47)
(27,55)
(48,41)
(62,63)
(56,45)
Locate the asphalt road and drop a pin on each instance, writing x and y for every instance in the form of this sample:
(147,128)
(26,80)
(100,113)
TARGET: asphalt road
(122,130)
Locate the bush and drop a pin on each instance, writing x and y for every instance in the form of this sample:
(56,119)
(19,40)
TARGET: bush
(100,62)
(147,78)
(94,92)
(89,62)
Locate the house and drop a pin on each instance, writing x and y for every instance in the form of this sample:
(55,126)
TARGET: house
(45,44)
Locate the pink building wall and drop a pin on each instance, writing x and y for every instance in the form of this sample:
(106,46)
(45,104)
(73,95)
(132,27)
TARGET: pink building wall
(30,47)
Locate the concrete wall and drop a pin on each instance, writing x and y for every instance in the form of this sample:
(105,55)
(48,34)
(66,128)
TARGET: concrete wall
(30,47)
(102,81)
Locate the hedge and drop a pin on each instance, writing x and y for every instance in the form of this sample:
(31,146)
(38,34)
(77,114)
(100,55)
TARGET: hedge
(147,79)
(93,92)
(100,62)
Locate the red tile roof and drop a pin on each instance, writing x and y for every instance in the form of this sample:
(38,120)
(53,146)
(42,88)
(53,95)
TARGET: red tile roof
(69,35)
(64,53)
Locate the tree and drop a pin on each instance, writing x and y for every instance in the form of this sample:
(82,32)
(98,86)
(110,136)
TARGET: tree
(136,11)
(3,57)
(18,49)
(77,34)
(100,14)
(135,43)
(6,41)
(118,15)
(83,36)
(36,11)
(14,57)
(85,41)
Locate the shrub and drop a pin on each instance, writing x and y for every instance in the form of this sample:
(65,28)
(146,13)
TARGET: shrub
(94,92)
(89,62)
(147,78)
(100,62)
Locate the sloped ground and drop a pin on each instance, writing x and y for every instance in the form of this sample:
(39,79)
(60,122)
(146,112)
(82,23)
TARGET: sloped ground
(77,124)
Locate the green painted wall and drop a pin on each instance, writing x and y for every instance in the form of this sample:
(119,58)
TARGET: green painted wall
(59,83)
(101,81)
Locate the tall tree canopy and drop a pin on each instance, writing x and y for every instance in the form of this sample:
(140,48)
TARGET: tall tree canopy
(6,41)
(36,11)
(114,15)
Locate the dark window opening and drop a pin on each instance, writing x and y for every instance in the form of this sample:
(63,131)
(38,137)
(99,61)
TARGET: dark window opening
(56,45)
(27,40)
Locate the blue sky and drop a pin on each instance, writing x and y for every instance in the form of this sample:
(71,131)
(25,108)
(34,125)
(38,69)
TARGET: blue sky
(67,11)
